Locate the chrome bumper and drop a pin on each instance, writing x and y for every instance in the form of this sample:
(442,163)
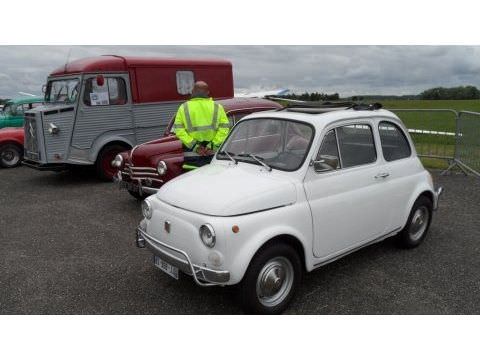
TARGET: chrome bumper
(436,197)
(126,185)
(201,275)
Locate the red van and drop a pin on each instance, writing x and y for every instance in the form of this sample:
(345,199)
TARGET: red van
(97,107)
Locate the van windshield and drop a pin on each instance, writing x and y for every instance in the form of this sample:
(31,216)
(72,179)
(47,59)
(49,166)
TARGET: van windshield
(64,91)
(273,143)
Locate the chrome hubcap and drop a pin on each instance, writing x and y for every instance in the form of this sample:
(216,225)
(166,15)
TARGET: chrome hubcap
(10,156)
(419,223)
(274,281)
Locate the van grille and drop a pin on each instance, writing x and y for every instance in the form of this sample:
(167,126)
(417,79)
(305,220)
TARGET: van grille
(31,141)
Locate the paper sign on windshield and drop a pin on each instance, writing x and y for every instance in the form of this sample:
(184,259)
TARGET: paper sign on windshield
(99,98)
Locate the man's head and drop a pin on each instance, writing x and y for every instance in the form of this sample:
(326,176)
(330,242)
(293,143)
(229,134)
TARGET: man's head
(200,89)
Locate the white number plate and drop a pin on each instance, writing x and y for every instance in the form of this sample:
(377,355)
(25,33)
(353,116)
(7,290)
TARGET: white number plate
(166,267)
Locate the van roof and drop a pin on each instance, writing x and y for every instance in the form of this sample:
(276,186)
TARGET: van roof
(115,63)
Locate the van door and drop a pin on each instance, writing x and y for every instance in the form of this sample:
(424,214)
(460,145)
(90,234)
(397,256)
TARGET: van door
(347,198)
(104,112)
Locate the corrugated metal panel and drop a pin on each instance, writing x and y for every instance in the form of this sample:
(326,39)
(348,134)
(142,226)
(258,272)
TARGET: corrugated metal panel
(151,120)
(93,121)
(58,143)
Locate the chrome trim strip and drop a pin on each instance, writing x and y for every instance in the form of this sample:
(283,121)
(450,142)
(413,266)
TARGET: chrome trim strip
(348,252)
(202,276)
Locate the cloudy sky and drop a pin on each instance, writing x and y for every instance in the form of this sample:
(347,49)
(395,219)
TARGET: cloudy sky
(348,70)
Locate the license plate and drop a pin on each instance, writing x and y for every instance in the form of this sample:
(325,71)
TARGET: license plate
(166,267)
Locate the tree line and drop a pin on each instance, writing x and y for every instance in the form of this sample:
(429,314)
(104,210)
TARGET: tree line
(437,93)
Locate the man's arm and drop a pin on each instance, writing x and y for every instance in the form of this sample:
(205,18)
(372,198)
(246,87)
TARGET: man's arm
(179,127)
(223,128)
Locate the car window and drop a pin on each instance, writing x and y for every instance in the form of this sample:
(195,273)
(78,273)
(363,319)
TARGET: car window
(327,158)
(185,82)
(281,144)
(356,144)
(395,145)
(113,91)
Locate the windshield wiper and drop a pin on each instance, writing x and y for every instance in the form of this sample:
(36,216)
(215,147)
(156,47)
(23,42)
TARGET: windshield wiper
(257,159)
(229,154)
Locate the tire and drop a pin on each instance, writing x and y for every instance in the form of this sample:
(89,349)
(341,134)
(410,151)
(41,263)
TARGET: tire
(103,165)
(137,195)
(10,155)
(418,223)
(268,264)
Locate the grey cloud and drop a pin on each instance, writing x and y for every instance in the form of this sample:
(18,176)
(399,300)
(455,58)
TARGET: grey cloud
(345,69)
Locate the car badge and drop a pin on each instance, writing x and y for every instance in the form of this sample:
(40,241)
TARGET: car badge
(167,226)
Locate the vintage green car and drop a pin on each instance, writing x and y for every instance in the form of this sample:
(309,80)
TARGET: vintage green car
(12,113)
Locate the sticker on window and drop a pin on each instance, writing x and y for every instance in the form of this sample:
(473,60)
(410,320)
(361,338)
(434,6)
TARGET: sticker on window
(185,81)
(99,98)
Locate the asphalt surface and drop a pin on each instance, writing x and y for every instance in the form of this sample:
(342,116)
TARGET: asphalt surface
(67,247)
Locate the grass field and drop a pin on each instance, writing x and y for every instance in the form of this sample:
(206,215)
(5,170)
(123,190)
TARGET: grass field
(444,121)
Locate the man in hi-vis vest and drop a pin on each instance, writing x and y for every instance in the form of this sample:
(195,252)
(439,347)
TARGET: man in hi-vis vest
(201,125)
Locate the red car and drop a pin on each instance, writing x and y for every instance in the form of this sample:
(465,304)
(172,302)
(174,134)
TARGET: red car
(11,147)
(145,168)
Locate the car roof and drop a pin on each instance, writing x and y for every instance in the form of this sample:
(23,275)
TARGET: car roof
(325,117)
(26,100)
(234,104)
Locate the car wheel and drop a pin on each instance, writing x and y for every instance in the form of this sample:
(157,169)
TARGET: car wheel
(271,279)
(10,155)
(103,165)
(418,223)
(137,195)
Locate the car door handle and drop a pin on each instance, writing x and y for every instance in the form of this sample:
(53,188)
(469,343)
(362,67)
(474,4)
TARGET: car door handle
(382,176)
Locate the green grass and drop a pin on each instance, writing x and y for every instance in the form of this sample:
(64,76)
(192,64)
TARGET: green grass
(438,145)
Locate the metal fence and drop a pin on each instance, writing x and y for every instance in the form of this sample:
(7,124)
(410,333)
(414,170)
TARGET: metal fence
(467,149)
(445,138)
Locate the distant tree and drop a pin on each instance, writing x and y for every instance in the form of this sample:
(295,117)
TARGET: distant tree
(453,93)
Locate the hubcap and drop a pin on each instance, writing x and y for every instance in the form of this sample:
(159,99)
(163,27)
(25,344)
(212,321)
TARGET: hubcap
(10,157)
(419,223)
(274,281)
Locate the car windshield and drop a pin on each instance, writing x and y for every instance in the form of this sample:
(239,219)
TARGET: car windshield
(65,91)
(272,143)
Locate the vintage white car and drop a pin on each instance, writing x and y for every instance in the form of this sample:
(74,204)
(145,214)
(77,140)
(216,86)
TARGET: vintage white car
(290,191)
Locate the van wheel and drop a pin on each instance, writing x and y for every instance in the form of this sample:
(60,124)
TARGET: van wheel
(271,280)
(418,223)
(10,155)
(103,165)
(137,195)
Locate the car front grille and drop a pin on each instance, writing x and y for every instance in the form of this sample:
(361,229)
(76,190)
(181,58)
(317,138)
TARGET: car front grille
(31,140)
(140,172)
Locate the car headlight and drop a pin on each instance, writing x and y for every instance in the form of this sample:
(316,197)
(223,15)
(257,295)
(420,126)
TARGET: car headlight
(161,168)
(118,161)
(207,234)
(147,209)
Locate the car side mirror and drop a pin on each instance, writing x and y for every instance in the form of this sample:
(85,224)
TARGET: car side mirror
(325,163)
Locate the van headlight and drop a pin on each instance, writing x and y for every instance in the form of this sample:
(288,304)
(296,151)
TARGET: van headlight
(118,161)
(147,209)
(207,234)
(161,168)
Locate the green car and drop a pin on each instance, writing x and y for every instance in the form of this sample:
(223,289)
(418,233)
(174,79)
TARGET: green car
(12,113)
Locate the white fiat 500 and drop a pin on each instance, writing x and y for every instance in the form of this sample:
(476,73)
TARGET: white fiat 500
(290,191)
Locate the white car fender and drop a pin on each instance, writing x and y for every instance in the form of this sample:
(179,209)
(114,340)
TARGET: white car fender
(244,249)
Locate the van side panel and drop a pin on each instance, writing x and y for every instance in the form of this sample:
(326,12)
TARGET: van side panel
(158,84)
(151,120)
